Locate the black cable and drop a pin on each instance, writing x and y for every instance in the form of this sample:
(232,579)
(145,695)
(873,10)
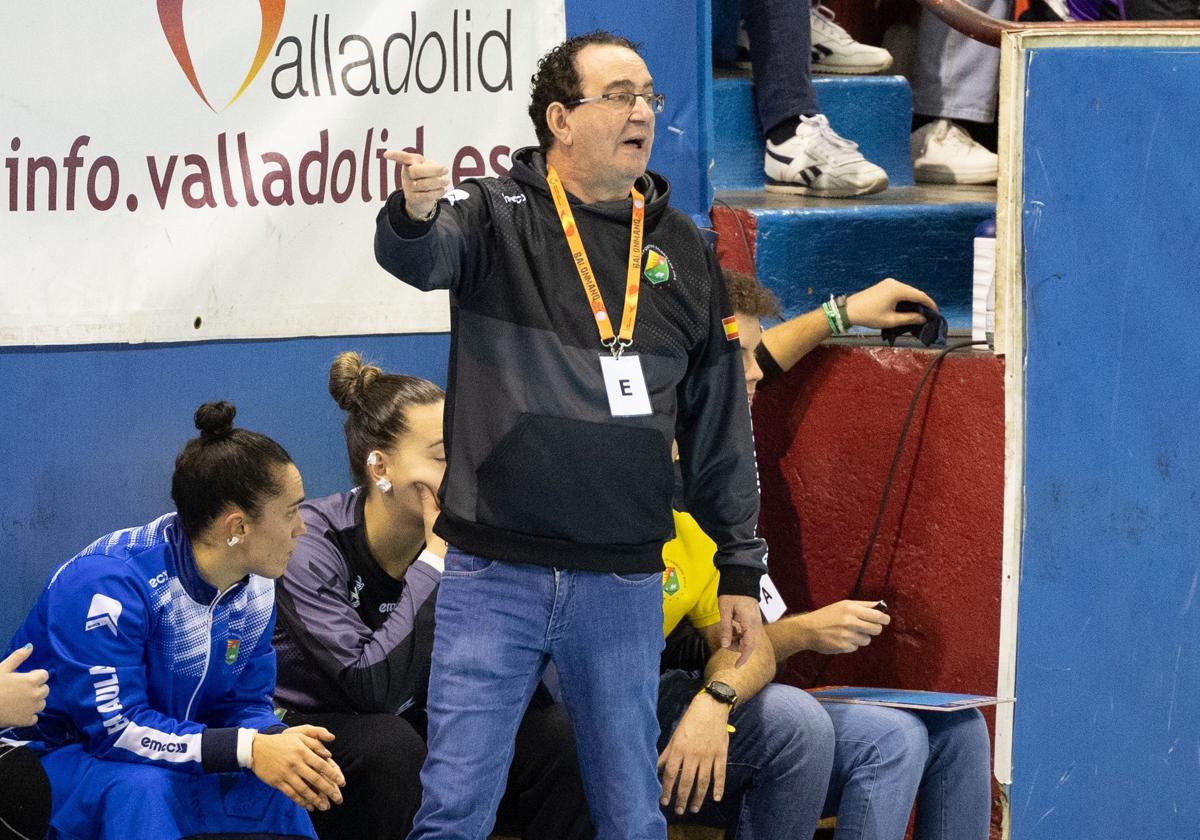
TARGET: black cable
(742,229)
(934,364)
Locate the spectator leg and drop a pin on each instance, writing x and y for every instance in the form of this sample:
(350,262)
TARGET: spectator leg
(1161,10)
(779,761)
(879,758)
(955,799)
(545,799)
(956,77)
(25,803)
(380,756)
(781,52)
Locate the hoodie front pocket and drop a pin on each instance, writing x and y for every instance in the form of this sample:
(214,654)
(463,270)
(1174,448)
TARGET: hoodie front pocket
(599,483)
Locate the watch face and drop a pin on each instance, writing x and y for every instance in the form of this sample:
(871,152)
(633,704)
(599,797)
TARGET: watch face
(722,692)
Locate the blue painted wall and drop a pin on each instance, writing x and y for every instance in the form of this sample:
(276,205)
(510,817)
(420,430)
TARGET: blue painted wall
(675,42)
(1107,729)
(88,435)
(805,256)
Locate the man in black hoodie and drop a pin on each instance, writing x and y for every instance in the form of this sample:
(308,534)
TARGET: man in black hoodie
(558,430)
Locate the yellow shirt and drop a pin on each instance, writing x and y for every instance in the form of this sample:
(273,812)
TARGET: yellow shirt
(690,577)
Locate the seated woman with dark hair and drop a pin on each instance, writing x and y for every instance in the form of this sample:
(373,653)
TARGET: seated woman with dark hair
(356,625)
(157,640)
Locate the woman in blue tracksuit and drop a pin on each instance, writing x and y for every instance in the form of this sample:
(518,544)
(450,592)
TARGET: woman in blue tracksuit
(157,640)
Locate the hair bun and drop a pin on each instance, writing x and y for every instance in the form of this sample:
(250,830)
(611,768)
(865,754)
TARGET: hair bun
(215,419)
(349,379)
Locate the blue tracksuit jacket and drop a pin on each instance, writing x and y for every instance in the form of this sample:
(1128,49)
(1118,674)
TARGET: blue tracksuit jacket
(148,663)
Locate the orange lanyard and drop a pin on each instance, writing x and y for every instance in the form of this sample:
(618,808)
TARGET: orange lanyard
(590,287)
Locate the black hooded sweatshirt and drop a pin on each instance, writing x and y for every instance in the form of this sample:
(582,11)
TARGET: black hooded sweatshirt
(538,470)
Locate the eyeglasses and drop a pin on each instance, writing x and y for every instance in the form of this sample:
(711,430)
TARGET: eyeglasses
(625,101)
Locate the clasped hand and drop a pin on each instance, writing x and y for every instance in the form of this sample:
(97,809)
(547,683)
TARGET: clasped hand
(297,763)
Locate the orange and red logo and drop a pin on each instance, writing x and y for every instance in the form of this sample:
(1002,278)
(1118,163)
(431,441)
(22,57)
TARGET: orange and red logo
(170,14)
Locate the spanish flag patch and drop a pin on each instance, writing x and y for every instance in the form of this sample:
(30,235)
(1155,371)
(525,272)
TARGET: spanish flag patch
(730,325)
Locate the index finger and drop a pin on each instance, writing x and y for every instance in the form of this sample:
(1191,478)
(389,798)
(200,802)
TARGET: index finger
(327,767)
(914,294)
(747,642)
(315,745)
(429,500)
(867,611)
(670,769)
(726,634)
(318,732)
(403,156)
(14,659)
(318,780)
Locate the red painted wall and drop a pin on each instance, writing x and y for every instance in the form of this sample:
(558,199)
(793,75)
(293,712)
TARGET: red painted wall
(826,434)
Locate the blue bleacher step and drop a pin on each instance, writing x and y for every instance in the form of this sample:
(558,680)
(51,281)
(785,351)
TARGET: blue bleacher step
(873,111)
(808,248)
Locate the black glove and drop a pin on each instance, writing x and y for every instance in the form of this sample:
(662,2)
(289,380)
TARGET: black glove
(932,333)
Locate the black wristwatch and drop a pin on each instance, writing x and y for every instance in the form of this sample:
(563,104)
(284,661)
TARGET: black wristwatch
(721,692)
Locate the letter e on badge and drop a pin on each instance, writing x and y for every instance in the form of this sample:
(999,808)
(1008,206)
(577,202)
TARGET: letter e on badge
(626,387)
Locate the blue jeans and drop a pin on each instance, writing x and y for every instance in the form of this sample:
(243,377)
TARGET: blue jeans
(778,766)
(886,758)
(793,760)
(498,625)
(780,34)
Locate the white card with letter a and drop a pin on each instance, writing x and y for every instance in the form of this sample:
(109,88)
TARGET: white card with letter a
(769,599)
(627,394)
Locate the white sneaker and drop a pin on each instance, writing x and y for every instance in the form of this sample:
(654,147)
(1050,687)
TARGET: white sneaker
(817,161)
(834,51)
(944,153)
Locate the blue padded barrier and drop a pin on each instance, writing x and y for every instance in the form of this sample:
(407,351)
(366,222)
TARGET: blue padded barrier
(1107,721)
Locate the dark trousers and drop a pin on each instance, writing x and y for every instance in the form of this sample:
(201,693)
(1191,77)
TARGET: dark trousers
(780,54)
(24,794)
(1161,9)
(381,757)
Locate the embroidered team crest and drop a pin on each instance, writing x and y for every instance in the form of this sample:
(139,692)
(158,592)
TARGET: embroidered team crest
(657,267)
(670,581)
(231,650)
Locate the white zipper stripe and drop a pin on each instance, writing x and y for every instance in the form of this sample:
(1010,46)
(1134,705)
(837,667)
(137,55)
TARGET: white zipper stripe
(187,715)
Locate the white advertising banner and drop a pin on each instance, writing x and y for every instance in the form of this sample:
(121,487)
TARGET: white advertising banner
(212,170)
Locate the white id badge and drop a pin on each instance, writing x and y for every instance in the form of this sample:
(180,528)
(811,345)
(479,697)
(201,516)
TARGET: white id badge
(769,599)
(627,394)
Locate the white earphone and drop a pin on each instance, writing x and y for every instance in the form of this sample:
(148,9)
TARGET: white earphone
(384,484)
